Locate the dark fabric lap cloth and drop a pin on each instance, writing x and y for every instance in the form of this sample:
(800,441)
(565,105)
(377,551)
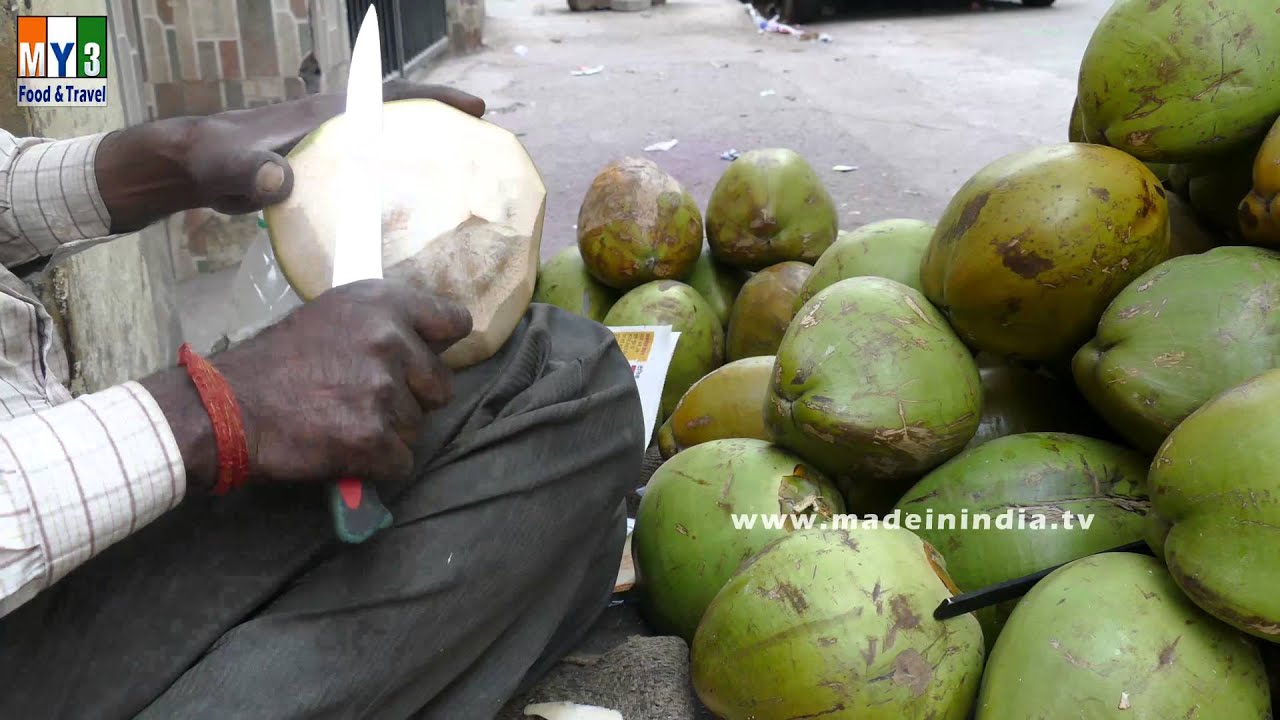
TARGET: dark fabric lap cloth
(504,549)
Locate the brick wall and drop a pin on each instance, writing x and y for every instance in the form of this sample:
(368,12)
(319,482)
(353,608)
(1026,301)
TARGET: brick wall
(204,56)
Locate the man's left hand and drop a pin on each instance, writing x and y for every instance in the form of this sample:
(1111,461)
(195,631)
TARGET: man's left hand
(232,162)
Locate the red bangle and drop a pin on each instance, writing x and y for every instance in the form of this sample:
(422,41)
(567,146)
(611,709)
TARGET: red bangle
(224,411)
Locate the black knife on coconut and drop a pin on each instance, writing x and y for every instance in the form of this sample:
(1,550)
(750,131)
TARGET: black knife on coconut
(966,603)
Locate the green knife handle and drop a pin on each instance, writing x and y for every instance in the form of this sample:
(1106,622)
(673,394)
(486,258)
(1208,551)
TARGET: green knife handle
(357,511)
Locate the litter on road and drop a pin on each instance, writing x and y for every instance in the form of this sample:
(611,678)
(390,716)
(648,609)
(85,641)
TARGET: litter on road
(663,146)
(584,70)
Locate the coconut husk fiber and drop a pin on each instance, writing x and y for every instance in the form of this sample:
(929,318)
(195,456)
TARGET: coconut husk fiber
(644,678)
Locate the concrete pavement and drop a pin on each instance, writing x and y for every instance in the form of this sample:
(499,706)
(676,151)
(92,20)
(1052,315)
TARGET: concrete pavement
(917,99)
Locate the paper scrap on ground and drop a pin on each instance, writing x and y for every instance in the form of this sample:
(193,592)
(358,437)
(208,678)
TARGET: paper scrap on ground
(583,70)
(767,93)
(844,168)
(649,349)
(520,50)
(663,146)
(570,711)
(730,154)
(626,567)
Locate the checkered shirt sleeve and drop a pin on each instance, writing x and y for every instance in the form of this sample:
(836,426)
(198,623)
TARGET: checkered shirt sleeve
(76,474)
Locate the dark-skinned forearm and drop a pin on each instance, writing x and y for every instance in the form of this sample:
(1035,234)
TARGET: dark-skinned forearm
(176,395)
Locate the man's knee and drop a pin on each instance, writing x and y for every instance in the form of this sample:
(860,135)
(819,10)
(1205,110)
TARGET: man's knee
(610,386)
(577,338)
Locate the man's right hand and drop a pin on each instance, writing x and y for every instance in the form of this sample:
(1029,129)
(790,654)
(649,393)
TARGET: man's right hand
(338,388)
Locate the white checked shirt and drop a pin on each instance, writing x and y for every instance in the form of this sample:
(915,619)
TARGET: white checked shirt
(76,475)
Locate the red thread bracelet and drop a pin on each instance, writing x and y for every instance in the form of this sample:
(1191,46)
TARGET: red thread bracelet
(224,411)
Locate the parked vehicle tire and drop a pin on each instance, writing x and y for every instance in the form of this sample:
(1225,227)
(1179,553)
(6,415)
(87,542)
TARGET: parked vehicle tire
(801,12)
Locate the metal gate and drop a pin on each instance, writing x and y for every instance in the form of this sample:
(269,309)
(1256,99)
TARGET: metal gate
(412,30)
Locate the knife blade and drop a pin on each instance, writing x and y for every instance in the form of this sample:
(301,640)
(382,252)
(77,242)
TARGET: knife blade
(357,511)
(973,601)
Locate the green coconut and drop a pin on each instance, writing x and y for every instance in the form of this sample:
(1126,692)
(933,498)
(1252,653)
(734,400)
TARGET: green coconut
(717,283)
(871,385)
(1216,193)
(638,224)
(1022,503)
(763,310)
(461,219)
(890,249)
(837,624)
(1179,180)
(727,403)
(1215,500)
(1031,250)
(700,348)
(1260,210)
(565,282)
(1075,128)
(1185,331)
(1161,171)
(1111,637)
(1188,234)
(1079,131)
(768,207)
(1017,400)
(1181,80)
(685,544)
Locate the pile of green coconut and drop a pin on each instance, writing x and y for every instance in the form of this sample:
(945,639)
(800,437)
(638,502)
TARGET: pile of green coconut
(1087,339)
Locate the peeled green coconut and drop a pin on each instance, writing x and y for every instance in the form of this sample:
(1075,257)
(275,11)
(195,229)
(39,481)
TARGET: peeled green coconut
(462,218)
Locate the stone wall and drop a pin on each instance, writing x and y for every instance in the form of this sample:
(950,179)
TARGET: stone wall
(466,25)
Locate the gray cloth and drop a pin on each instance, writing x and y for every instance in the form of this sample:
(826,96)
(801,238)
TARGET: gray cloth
(504,550)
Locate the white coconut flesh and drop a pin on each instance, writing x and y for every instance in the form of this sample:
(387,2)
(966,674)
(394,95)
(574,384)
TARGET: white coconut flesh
(570,711)
(462,211)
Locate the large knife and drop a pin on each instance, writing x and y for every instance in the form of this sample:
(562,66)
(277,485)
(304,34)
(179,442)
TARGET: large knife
(357,255)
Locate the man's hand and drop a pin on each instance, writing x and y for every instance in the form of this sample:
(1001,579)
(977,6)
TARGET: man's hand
(338,388)
(232,162)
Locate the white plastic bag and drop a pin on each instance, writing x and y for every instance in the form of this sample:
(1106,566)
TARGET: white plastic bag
(260,293)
